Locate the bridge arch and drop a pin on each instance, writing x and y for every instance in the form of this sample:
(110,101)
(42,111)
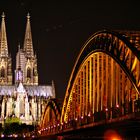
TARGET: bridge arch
(105,76)
(51,114)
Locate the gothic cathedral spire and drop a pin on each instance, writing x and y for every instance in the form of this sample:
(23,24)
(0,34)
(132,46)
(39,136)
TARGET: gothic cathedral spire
(3,41)
(5,59)
(28,44)
(26,60)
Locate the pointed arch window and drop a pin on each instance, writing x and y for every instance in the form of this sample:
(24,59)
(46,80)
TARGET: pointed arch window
(33,72)
(2,74)
(28,72)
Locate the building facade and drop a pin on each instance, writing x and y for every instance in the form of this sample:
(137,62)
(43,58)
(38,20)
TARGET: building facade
(25,99)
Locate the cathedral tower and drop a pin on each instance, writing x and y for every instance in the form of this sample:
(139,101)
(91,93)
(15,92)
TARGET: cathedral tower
(26,61)
(5,59)
(25,99)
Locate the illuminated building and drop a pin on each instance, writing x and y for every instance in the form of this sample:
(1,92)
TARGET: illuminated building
(25,99)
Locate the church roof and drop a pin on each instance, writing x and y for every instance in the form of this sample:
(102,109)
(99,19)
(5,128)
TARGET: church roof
(45,91)
(7,90)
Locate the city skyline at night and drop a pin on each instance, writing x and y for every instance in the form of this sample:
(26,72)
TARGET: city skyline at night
(70,69)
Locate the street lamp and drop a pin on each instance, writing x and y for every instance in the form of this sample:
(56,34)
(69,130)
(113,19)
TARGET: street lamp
(106,113)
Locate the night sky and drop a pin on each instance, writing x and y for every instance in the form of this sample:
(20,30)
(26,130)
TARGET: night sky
(60,28)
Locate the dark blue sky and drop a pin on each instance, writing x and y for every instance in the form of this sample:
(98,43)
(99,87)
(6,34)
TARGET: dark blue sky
(60,28)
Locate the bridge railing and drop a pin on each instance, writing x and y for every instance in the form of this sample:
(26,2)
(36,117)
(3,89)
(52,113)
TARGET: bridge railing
(115,112)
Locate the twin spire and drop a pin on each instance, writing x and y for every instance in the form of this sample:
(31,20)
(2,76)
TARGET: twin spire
(28,45)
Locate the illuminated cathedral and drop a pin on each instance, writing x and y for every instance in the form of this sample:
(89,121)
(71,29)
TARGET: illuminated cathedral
(25,99)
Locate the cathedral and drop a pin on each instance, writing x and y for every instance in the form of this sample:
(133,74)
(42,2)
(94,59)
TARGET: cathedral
(25,99)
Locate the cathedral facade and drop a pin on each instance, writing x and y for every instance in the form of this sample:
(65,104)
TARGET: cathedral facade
(25,99)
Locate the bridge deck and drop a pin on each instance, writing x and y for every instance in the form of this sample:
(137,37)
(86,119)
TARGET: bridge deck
(126,126)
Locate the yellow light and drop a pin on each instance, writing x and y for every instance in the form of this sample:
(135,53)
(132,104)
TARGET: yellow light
(134,64)
(112,135)
(115,139)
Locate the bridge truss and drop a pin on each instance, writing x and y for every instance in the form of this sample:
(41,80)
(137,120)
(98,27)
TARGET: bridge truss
(104,84)
(105,78)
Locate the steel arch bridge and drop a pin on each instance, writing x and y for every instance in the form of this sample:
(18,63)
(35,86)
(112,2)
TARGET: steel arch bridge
(104,83)
(105,78)
(51,114)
